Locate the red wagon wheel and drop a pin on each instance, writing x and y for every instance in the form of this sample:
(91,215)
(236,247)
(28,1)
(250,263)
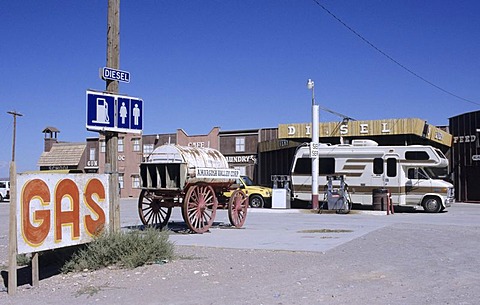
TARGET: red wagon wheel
(200,207)
(150,210)
(237,208)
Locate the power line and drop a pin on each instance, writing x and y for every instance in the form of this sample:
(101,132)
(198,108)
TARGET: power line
(390,58)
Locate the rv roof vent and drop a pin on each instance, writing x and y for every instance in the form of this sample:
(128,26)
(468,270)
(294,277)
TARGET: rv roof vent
(364,143)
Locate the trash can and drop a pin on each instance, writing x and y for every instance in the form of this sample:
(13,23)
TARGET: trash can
(380,197)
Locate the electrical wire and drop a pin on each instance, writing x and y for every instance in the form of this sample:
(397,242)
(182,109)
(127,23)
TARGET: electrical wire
(391,58)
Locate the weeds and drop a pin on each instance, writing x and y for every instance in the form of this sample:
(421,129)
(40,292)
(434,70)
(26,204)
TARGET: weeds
(125,249)
(23,260)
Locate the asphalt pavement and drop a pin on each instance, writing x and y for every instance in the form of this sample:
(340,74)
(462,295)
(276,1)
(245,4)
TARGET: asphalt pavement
(300,229)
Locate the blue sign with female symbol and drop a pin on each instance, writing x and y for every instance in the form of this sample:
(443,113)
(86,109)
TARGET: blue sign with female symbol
(111,112)
(130,113)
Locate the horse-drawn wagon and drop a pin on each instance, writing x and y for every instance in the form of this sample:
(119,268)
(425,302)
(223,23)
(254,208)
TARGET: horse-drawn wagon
(192,178)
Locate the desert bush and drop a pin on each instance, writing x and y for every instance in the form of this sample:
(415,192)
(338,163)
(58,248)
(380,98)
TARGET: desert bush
(124,249)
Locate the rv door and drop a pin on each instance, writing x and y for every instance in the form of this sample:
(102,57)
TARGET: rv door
(418,183)
(392,178)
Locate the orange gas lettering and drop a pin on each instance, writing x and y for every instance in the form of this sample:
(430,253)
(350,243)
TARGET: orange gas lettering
(94,188)
(35,234)
(67,189)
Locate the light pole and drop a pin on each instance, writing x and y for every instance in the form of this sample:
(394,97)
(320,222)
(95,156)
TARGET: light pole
(314,146)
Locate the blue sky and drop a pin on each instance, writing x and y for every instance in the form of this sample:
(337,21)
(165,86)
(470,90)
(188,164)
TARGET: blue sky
(236,64)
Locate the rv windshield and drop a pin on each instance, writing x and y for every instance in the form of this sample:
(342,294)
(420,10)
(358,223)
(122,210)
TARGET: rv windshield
(437,172)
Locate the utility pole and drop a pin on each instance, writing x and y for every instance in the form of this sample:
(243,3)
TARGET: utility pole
(14,114)
(111,138)
(12,231)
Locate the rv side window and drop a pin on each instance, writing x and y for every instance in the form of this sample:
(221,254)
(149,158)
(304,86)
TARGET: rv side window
(416,155)
(378,166)
(303,166)
(391,167)
(327,166)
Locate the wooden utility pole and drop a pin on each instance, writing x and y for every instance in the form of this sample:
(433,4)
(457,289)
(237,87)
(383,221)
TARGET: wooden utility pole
(12,231)
(111,138)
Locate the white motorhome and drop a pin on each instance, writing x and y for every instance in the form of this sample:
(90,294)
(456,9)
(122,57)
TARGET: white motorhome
(412,174)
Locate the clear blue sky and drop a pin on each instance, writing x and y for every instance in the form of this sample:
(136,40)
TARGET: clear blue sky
(236,64)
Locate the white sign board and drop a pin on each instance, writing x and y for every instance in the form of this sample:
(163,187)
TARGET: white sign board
(217,173)
(60,210)
(314,150)
(115,74)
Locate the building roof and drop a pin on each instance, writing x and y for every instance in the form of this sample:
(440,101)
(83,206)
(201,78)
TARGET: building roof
(63,154)
(50,129)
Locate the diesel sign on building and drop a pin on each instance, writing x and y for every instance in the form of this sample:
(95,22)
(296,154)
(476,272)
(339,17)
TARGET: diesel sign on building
(373,128)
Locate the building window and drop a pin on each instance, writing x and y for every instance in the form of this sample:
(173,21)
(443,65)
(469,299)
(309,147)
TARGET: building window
(120,181)
(241,169)
(147,149)
(91,156)
(136,144)
(136,182)
(103,146)
(240,144)
(120,144)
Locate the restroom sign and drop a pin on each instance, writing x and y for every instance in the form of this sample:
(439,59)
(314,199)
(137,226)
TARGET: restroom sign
(112,112)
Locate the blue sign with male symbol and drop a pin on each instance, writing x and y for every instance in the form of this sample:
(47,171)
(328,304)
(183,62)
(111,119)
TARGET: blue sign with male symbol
(136,119)
(129,113)
(113,112)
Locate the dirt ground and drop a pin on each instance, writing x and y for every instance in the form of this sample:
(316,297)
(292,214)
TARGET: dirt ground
(422,265)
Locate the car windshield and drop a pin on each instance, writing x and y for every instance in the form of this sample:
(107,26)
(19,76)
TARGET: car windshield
(247,181)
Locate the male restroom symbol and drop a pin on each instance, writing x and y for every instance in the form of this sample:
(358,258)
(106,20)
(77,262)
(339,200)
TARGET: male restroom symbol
(136,114)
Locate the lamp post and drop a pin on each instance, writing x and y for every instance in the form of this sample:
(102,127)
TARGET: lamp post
(314,146)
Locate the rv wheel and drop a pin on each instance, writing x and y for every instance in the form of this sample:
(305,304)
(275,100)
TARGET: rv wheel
(256,201)
(432,205)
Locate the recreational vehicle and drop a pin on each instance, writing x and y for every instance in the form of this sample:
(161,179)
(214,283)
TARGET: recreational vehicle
(412,174)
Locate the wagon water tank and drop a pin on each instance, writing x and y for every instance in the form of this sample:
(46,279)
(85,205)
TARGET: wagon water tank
(177,167)
(192,178)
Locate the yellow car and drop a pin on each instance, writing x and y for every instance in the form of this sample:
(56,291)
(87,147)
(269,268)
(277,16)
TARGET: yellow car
(257,195)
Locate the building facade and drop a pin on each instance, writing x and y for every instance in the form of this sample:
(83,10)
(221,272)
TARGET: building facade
(262,153)
(465,156)
(240,148)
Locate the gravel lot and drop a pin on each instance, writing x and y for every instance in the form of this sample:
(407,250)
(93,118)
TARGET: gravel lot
(406,258)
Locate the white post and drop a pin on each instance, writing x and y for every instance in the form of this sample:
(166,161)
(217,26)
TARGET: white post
(314,146)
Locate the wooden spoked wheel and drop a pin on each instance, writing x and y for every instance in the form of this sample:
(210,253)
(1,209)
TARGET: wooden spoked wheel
(200,207)
(151,211)
(237,208)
